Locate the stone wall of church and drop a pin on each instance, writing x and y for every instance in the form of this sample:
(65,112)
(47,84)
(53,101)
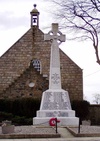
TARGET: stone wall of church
(14,64)
(21,86)
(72,79)
(15,60)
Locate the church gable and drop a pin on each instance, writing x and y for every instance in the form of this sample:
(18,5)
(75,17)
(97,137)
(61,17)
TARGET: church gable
(31,47)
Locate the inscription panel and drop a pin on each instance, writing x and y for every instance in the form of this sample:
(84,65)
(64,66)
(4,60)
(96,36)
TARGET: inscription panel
(56,101)
(57,114)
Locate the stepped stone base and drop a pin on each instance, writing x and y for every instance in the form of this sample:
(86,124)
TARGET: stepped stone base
(55,113)
(64,121)
(56,103)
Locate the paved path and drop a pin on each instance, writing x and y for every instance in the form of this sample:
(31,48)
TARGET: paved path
(60,139)
(65,133)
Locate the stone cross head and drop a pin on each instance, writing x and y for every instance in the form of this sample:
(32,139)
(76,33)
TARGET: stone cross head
(55,34)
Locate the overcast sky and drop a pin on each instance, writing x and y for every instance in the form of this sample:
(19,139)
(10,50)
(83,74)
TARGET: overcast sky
(15,21)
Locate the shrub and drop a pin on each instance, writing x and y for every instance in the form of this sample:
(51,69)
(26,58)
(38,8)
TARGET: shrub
(17,120)
(81,108)
(5,116)
(20,111)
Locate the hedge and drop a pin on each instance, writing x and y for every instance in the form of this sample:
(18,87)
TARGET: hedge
(20,111)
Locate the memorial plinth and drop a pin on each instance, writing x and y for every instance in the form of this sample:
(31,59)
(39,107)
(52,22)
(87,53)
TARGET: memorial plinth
(55,101)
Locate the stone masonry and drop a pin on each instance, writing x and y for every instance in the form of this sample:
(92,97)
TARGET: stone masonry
(16,72)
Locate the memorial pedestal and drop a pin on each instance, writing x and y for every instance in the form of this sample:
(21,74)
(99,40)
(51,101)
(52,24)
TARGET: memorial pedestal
(56,103)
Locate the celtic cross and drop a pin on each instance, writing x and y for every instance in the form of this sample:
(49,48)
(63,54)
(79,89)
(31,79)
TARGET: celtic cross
(57,38)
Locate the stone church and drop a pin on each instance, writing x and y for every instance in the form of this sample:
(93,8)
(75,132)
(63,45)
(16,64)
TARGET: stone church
(24,67)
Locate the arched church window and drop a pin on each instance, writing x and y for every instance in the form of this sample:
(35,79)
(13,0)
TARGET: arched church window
(36,64)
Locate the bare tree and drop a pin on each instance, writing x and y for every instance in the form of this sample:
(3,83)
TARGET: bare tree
(96,98)
(81,18)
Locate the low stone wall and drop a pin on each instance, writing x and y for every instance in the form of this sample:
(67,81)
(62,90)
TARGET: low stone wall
(94,114)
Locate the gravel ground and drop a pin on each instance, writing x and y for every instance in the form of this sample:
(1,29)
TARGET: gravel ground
(87,129)
(50,130)
(19,130)
(32,130)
